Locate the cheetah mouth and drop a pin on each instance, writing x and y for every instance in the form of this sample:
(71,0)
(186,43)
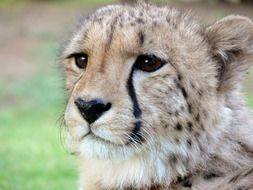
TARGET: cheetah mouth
(92,136)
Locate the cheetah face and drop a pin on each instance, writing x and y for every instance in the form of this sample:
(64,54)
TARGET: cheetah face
(138,79)
(127,93)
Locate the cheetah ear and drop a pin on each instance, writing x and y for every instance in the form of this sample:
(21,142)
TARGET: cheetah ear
(231,41)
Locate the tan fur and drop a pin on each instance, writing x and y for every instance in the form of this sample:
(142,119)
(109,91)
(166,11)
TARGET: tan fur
(197,130)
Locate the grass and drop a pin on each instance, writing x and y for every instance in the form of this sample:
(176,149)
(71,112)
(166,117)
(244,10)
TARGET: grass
(32,154)
(250,101)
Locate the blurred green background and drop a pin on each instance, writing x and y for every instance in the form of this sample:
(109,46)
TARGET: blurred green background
(32,152)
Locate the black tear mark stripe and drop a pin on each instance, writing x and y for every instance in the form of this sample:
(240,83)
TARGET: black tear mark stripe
(131,91)
(135,134)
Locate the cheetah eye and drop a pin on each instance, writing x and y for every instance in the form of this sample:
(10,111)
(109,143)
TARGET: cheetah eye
(148,63)
(81,60)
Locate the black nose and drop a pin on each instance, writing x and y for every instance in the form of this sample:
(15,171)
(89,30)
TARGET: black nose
(92,110)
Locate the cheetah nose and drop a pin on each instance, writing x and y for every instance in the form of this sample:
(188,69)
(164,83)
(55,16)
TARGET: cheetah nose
(92,110)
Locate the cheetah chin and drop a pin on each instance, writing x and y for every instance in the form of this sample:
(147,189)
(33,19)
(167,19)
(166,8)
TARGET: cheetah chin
(154,100)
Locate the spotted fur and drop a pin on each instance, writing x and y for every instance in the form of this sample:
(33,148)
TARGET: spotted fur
(184,126)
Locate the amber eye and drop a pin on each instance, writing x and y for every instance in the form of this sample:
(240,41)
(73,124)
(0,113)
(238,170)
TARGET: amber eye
(148,63)
(81,60)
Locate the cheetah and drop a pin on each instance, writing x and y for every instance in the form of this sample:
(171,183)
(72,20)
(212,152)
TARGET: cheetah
(155,102)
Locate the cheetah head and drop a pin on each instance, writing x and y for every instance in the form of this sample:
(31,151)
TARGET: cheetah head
(146,79)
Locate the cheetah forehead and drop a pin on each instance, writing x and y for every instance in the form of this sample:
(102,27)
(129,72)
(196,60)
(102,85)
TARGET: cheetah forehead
(128,28)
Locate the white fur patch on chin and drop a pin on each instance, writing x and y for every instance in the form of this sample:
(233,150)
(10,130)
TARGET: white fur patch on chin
(115,167)
(94,148)
(139,171)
